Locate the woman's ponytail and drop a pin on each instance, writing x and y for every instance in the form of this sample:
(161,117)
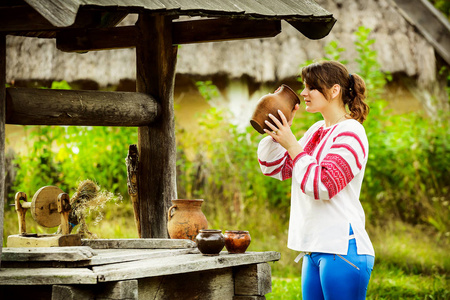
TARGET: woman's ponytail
(356,98)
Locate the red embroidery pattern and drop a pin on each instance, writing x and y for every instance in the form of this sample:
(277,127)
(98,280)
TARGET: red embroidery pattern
(286,171)
(323,144)
(354,135)
(315,140)
(285,168)
(273,163)
(305,178)
(316,184)
(336,173)
(349,148)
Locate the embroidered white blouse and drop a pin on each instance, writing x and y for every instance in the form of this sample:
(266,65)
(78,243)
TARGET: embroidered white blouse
(326,184)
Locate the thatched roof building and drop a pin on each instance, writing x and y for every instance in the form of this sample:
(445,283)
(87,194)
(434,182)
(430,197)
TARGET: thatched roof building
(403,49)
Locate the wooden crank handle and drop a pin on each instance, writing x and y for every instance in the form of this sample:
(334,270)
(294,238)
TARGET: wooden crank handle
(169,215)
(64,209)
(21,209)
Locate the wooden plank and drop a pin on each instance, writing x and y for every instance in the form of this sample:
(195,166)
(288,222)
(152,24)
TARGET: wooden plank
(2,132)
(213,284)
(26,106)
(46,276)
(184,32)
(44,240)
(156,60)
(138,243)
(109,256)
(179,264)
(102,257)
(48,254)
(253,280)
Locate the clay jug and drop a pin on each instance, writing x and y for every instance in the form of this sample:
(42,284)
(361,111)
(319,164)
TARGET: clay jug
(283,99)
(185,219)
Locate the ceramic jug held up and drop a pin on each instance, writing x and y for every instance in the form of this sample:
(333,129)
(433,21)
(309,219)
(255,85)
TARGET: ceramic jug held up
(283,99)
(186,219)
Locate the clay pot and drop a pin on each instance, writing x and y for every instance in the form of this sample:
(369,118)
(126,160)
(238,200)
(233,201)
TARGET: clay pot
(283,99)
(186,219)
(237,241)
(210,241)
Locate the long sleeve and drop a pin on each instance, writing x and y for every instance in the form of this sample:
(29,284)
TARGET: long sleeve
(341,163)
(274,160)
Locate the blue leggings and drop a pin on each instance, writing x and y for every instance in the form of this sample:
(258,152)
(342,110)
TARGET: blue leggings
(331,276)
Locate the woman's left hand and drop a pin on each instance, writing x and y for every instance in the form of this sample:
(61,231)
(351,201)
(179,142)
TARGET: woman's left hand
(282,133)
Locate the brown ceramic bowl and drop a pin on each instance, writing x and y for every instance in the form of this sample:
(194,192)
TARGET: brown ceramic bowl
(237,241)
(210,241)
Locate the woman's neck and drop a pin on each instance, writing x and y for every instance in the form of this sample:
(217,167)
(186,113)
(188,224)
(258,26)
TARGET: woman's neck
(334,117)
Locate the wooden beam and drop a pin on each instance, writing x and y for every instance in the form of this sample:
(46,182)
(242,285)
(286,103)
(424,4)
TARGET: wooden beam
(26,106)
(156,59)
(83,40)
(2,133)
(184,32)
(213,30)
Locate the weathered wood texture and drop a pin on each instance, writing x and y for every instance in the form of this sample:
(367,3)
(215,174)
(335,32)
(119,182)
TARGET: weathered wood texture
(25,106)
(48,254)
(139,243)
(46,276)
(132,162)
(156,60)
(215,284)
(121,290)
(179,264)
(184,32)
(253,280)
(70,259)
(209,30)
(2,132)
(430,22)
(44,240)
(68,292)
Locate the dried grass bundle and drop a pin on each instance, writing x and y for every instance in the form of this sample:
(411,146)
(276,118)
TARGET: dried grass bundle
(88,199)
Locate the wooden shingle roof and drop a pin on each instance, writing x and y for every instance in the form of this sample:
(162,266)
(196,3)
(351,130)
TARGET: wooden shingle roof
(305,15)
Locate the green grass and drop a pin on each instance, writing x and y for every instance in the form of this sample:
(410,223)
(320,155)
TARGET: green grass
(411,262)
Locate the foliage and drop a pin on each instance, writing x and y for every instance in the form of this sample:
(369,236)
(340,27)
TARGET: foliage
(207,89)
(443,6)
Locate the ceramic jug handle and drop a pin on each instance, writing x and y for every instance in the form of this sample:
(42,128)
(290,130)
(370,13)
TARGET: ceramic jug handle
(169,216)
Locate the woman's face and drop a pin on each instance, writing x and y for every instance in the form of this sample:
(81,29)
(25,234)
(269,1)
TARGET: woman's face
(315,101)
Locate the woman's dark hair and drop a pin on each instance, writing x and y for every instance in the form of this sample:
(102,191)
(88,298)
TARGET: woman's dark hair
(323,75)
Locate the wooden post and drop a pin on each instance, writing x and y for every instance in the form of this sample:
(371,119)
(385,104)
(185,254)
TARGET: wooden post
(156,61)
(2,133)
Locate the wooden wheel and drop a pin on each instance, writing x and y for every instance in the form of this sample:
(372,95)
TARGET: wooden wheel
(44,206)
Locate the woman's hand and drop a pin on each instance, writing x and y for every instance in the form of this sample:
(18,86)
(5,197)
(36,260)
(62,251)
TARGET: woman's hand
(282,133)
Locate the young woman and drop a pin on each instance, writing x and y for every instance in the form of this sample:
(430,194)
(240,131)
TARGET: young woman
(327,222)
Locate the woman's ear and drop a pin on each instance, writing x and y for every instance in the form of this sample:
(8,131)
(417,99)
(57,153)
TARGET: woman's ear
(335,91)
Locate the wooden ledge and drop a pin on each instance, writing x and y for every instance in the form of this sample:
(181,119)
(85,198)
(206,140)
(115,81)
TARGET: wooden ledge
(139,243)
(179,264)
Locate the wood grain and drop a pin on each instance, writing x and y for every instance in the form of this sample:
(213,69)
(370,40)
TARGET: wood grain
(2,132)
(156,60)
(26,106)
